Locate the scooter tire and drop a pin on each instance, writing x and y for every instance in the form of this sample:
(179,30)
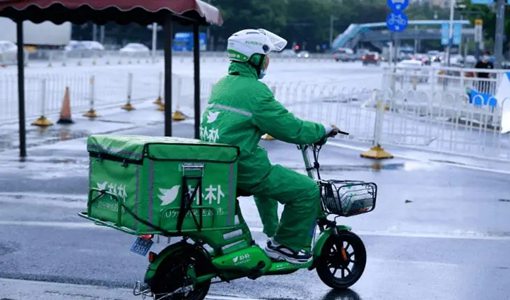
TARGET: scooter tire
(340,269)
(171,274)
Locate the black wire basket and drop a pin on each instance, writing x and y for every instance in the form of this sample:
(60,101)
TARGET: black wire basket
(348,198)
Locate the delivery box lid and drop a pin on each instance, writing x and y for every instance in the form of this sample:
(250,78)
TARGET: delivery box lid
(135,148)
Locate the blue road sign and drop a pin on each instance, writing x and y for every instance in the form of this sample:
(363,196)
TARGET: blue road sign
(457,34)
(397,5)
(486,2)
(445,34)
(397,21)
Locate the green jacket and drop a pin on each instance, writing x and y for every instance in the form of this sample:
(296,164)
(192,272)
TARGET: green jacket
(241,109)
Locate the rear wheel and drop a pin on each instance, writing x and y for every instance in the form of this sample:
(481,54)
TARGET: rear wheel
(173,279)
(342,260)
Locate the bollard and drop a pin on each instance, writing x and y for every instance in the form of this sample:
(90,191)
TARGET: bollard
(91,113)
(128,105)
(377,152)
(158,100)
(42,121)
(178,115)
(50,58)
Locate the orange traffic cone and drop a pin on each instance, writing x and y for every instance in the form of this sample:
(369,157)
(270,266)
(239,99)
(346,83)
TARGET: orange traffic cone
(65,112)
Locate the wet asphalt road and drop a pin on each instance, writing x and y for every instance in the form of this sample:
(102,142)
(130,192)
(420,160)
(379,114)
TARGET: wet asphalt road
(438,232)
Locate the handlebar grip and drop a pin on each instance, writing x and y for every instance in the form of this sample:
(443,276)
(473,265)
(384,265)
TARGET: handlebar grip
(343,132)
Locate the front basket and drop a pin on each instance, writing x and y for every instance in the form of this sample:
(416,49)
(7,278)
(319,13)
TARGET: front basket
(348,198)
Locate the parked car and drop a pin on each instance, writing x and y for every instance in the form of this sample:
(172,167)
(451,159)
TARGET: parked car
(371,58)
(425,59)
(411,69)
(83,48)
(303,54)
(434,56)
(134,49)
(343,54)
(8,52)
(288,53)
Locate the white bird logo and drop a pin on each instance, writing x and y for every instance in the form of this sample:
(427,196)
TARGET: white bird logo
(167,196)
(102,186)
(212,116)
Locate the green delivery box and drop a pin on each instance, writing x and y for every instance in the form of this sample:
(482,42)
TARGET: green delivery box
(161,184)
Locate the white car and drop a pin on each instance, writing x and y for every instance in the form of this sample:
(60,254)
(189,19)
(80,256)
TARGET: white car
(8,52)
(303,54)
(83,48)
(412,68)
(134,49)
(288,53)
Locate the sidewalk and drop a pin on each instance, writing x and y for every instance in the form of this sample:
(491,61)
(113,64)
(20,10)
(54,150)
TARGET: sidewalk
(14,289)
(147,120)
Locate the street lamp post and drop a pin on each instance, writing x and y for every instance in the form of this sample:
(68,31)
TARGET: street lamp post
(450,32)
(500,33)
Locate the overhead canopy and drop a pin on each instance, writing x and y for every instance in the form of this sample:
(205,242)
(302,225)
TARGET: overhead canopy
(102,11)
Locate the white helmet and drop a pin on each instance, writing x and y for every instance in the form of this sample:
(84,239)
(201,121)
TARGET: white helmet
(243,44)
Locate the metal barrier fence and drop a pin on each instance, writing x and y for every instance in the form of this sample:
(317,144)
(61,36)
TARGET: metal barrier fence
(442,79)
(114,57)
(442,124)
(436,118)
(44,91)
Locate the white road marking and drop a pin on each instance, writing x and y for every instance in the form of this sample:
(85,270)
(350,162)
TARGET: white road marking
(360,149)
(59,200)
(213,297)
(455,236)
(68,225)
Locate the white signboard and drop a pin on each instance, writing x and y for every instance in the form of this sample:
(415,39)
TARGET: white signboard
(503,97)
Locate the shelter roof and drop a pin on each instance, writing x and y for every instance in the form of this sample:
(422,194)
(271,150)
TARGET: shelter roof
(102,11)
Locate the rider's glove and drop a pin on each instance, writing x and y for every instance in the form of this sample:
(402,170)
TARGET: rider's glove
(331,131)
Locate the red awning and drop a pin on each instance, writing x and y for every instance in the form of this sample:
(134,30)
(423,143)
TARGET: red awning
(102,11)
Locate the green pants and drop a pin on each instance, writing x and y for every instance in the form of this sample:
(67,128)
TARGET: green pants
(300,195)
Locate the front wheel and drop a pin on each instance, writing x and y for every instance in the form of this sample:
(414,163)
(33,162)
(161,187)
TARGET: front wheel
(342,260)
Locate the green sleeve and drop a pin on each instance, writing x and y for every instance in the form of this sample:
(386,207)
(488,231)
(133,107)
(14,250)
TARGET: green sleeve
(271,117)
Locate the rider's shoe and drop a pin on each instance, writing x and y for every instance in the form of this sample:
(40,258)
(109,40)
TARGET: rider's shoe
(277,251)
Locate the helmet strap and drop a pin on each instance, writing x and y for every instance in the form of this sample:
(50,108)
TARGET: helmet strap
(257,61)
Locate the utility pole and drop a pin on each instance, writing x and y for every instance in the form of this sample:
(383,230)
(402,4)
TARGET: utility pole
(500,33)
(331,21)
(94,32)
(154,40)
(450,32)
(101,34)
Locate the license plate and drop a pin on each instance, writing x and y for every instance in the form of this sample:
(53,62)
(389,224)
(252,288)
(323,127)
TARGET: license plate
(141,246)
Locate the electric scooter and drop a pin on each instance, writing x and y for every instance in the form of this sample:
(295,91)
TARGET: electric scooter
(186,269)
